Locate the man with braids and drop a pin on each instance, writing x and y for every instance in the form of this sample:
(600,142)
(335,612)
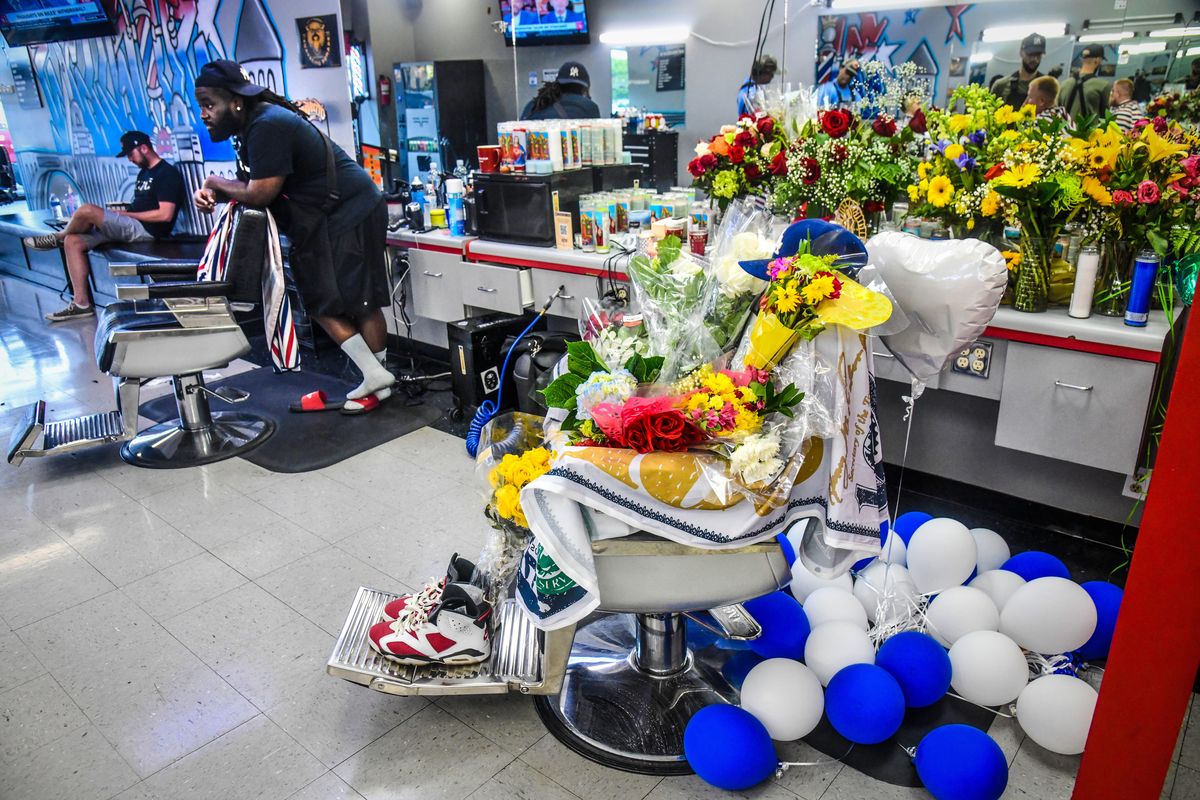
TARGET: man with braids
(565,97)
(328,206)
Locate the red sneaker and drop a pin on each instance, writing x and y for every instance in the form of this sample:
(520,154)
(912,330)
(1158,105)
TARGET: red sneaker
(460,571)
(455,632)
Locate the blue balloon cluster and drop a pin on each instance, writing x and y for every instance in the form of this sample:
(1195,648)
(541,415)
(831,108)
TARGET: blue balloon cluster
(729,748)
(958,762)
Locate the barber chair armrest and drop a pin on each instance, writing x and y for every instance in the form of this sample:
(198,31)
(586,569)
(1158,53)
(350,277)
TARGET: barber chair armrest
(182,289)
(153,269)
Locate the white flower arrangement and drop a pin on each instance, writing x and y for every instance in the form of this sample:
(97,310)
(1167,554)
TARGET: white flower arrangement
(746,246)
(756,458)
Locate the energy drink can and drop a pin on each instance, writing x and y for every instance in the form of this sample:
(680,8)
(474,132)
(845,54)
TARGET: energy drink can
(1145,273)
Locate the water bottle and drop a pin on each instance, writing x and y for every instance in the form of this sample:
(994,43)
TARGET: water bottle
(56,206)
(417,189)
(460,170)
(456,217)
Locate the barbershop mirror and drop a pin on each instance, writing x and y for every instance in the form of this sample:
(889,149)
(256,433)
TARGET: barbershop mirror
(651,79)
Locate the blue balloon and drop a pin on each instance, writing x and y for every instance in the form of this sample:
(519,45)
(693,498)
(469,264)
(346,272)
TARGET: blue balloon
(1107,597)
(1034,564)
(784,623)
(958,762)
(864,704)
(729,748)
(906,524)
(919,664)
(785,544)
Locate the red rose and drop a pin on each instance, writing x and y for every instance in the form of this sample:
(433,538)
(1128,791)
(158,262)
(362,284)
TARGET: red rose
(737,153)
(917,122)
(1122,198)
(753,173)
(884,125)
(654,424)
(1160,125)
(811,171)
(779,164)
(695,168)
(995,172)
(765,125)
(708,161)
(839,153)
(835,122)
(745,139)
(1148,192)
(872,206)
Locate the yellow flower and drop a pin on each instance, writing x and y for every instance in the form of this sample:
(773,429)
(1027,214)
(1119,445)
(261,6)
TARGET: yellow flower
(953,151)
(1019,176)
(818,289)
(1010,135)
(923,187)
(1107,137)
(1097,191)
(746,421)
(1029,111)
(990,204)
(1012,258)
(787,299)
(1158,147)
(923,170)
(494,477)
(959,122)
(941,190)
(508,501)
(971,224)
(1004,114)
(913,194)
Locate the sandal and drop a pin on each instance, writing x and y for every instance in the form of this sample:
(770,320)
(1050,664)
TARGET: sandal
(317,401)
(362,405)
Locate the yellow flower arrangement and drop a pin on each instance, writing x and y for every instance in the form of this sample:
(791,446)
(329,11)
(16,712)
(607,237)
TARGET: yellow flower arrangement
(941,190)
(1012,259)
(511,475)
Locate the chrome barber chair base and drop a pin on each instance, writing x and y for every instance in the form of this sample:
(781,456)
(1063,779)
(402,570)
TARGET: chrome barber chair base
(613,709)
(170,445)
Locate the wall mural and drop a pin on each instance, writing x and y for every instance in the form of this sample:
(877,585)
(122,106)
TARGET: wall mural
(143,78)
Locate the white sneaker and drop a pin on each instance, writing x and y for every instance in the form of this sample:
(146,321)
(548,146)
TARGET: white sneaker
(459,570)
(455,632)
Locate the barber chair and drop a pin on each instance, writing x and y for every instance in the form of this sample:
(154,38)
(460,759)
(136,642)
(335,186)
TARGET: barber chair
(177,327)
(620,687)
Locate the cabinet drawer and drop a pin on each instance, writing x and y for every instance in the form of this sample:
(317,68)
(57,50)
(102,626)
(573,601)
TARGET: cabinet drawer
(507,289)
(1073,406)
(575,289)
(436,285)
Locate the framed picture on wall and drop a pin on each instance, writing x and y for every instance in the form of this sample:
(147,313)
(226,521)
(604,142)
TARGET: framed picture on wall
(320,42)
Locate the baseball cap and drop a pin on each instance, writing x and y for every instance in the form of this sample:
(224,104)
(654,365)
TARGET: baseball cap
(1093,51)
(130,140)
(228,75)
(1034,44)
(574,72)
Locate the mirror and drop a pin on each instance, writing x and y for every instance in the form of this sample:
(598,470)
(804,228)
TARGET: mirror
(650,78)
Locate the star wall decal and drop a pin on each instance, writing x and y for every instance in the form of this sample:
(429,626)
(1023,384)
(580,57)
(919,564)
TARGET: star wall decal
(956,25)
(910,16)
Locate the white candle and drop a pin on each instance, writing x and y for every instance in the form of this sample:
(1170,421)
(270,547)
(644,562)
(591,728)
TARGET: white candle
(1085,283)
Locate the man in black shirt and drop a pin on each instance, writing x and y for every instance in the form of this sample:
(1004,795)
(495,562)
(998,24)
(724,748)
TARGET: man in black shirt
(565,97)
(1014,88)
(328,206)
(158,194)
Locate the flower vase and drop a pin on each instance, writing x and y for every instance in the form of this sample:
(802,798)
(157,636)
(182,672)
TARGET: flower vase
(770,342)
(1033,274)
(1112,288)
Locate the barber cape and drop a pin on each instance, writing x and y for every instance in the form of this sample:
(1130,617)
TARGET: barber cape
(277,311)
(595,493)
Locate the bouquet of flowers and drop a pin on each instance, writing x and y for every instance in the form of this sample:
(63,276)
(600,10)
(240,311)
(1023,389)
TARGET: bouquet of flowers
(743,159)
(1181,108)
(747,232)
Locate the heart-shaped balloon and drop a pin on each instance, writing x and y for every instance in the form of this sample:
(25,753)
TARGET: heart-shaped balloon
(949,289)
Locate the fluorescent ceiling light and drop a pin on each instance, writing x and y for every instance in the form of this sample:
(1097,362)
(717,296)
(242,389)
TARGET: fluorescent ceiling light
(981,57)
(1142,48)
(1193,51)
(1105,38)
(632,37)
(1174,33)
(879,5)
(1015,33)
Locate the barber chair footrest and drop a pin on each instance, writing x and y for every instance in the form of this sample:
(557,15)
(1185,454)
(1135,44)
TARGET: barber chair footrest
(61,436)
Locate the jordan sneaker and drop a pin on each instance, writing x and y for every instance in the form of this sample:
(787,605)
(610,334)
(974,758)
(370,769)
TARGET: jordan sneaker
(455,632)
(460,571)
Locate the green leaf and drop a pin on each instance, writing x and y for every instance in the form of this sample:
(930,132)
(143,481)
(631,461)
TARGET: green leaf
(561,391)
(644,370)
(669,249)
(583,361)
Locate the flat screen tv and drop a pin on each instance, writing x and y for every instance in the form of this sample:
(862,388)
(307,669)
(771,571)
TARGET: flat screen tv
(531,22)
(25,22)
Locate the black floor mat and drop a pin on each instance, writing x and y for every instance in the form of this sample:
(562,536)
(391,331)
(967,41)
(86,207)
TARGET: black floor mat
(304,442)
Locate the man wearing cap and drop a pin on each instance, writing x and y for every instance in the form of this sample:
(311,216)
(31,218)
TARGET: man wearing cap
(158,194)
(565,97)
(330,209)
(1087,92)
(1014,88)
(838,93)
(762,72)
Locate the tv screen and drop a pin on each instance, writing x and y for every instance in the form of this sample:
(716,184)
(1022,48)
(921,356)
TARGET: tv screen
(25,22)
(544,22)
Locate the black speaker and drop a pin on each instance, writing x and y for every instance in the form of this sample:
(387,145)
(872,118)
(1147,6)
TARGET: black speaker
(477,354)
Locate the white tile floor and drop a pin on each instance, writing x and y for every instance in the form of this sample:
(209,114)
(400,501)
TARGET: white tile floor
(163,634)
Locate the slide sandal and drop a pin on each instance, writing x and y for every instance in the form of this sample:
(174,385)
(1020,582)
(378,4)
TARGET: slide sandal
(363,405)
(317,401)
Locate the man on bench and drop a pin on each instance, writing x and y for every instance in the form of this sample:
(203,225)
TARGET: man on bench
(157,197)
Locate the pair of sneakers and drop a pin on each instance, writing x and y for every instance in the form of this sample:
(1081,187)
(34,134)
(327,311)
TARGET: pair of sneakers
(447,622)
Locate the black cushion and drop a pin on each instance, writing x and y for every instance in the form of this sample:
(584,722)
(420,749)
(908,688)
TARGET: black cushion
(129,315)
(172,249)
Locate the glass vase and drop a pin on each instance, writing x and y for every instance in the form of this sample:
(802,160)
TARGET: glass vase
(1112,288)
(1033,274)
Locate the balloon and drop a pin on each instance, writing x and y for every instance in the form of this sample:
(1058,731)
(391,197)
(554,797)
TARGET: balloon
(1049,616)
(998,584)
(907,523)
(864,704)
(738,665)
(836,645)
(785,696)
(941,554)
(960,610)
(1107,599)
(1034,564)
(805,583)
(1056,712)
(949,290)
(785,628)
(919,664)
(988,668)
(789,552)
(886,592)
(958,762)
(834,604)
(894,550)
(729,748)
(993,550)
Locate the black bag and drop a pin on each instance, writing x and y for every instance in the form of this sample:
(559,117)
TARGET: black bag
(532,364)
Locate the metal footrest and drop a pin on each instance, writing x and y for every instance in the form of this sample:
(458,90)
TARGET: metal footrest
(61,436)
(516,663)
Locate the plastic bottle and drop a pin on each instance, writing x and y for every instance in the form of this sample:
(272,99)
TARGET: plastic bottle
(417,189)
(456,216)
(56,206)
(460,170)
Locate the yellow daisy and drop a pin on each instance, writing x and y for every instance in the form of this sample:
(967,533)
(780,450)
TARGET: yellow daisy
(1029,111)
(923,170)
(818,289)
(787,299)
(953,151)
(1020,176)
(941,191)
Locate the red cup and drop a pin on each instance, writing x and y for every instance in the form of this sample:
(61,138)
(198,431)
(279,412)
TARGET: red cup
(489,157)
(698,239)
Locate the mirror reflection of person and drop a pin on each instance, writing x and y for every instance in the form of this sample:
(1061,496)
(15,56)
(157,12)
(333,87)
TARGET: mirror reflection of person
(1121,103)
(565,97)
(762,72)
(560,11)
(1142,91)
(1192,81)
(1043,94)
(1087,92)
(1014,88)
(838,92)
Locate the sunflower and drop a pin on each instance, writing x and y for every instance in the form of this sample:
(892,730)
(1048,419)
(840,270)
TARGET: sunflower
(941,190)
(787,299)
(1097,191)
(1020,176)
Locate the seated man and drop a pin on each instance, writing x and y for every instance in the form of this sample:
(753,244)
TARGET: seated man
(157,197)
(1042,96)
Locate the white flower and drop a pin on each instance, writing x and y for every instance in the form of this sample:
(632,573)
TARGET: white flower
(603,387)
(685,266)
(756,458)
(746,246)
(615,348)
(728,129)
(766,150)
(702,149)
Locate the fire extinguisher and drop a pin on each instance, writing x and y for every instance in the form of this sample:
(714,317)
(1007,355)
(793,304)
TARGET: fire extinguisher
(385,90)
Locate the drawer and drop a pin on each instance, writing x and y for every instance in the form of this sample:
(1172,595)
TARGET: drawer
(889,368)
(575,289)
(507,289)
(436,285)
(1079,407)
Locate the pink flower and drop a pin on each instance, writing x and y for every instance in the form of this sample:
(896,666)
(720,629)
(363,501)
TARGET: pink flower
(1148,192)
(1122,198)
(1191,165)
(1180,188)
(1160,125)
(777,267)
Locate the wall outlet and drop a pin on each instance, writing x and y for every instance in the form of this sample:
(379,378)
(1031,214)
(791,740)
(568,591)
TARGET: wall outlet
(975,359)
(1137,484)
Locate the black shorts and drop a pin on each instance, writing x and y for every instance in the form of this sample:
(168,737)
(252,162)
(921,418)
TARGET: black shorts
(343,275)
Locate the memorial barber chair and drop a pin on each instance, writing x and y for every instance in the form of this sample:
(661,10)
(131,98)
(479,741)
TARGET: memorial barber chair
(171,327)
(621,686)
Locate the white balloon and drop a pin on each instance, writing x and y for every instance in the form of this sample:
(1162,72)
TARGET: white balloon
(999,584)
(941,554)
(785,696)
(958,611)
(886,591)
(836,645)
(988,668)
(805,583)
(1056,712)
(993,550)
(1049,616)
(834,604)
(894,550)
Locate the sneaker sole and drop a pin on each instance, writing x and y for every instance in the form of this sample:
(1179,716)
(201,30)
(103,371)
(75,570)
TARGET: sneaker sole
(472,657)
(68,319)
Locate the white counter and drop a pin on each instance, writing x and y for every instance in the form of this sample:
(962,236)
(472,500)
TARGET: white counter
(1096,329)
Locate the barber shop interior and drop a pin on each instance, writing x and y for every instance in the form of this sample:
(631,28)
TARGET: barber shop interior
(593,399)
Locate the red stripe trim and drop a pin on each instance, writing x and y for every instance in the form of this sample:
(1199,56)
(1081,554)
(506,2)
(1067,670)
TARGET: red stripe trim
(433,248)
(522,262)
(1153,356)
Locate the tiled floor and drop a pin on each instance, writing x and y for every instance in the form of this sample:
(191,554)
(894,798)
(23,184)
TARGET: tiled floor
(164,634)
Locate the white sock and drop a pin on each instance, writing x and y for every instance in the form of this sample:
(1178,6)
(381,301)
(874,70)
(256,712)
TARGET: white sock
(375,377)
(381,356)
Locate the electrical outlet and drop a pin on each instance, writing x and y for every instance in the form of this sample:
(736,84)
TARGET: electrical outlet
(622,293)
(975,359)
(1137,484)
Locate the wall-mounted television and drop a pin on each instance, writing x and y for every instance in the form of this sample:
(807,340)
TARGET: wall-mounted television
(25,22)
(531,22)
